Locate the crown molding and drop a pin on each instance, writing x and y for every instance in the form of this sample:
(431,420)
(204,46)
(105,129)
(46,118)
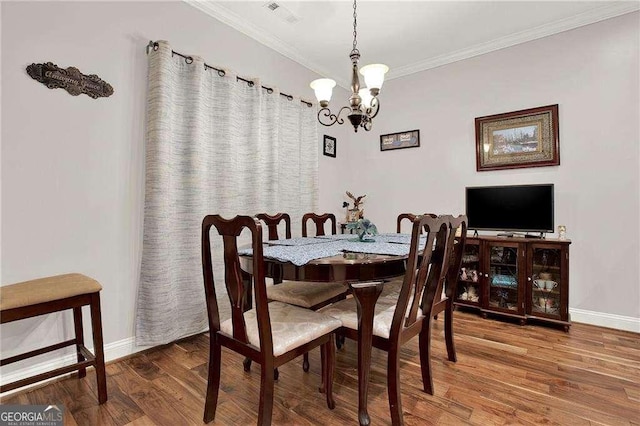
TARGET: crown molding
(596,15)
(236,22)
(586,18)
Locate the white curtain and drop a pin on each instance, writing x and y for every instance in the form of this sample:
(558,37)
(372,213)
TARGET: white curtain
(214,145)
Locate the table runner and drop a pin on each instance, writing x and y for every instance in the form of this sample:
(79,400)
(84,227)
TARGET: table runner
(337,237)
(302,241)
(299,255)
(302,254)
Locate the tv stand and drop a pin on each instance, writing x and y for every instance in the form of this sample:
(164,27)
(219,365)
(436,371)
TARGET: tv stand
(524,279)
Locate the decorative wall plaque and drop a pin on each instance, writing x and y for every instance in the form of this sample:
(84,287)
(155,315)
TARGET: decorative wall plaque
(70,79)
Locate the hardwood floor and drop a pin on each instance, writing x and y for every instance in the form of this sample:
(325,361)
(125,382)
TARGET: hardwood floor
(505,374)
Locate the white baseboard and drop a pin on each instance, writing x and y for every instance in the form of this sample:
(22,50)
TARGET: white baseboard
(112,351)
(601,319)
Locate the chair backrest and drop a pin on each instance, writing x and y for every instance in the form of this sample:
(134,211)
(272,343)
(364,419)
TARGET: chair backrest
(236,278)
(456,252)
(319,220)
(404,216)
(272,223)
(425,273)
(410,217)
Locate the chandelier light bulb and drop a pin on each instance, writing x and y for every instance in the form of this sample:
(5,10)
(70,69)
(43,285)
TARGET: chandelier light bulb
(366,96)
(374,76)
(323,88)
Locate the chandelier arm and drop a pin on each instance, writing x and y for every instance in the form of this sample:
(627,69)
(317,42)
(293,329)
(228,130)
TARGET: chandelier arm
(333,118)
(374,109)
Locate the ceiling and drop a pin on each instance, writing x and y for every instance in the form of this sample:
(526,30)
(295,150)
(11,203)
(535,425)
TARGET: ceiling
(408,36)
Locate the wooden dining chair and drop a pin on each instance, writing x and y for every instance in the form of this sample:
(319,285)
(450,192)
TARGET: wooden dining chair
(398,320)
(410,217)
(319,220)
(271,334)
(273,221)
(446,297)
(304,294)
(392,288)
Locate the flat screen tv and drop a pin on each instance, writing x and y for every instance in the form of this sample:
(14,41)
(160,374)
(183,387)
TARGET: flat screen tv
(526,208)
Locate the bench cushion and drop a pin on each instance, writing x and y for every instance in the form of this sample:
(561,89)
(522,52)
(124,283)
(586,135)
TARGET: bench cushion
(47,289)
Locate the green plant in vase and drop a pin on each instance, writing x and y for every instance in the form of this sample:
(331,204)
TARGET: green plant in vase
(365,229)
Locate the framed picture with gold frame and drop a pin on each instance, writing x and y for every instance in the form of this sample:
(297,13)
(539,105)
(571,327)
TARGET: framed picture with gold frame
(512,140)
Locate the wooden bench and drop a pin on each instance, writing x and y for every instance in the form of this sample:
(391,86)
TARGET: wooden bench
(53,294)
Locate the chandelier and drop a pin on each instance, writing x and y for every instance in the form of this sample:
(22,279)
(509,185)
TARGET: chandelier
(363,102)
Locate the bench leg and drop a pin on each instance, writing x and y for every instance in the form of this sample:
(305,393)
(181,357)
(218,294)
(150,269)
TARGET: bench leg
(96,325)
(77,323)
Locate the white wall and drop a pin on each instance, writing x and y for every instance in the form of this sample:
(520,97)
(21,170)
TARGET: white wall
(592,73)
(73,167)
(335,173)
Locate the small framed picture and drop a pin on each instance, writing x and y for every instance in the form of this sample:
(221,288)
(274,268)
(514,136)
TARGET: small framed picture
(329,146)
(409,139)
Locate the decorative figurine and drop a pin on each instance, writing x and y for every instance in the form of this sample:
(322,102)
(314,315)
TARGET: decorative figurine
(562,232)
(355,213)
(365,229)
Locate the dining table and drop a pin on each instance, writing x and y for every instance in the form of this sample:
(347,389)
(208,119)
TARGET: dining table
(362,265)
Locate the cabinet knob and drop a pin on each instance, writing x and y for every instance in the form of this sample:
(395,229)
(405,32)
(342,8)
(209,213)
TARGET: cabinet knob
(486,275)
(528,278)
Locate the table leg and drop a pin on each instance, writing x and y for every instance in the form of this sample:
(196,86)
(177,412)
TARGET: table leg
(366,296)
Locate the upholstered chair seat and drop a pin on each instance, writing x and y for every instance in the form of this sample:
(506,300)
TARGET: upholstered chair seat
(291,326)
(306,295)
(346,312)
(391,289)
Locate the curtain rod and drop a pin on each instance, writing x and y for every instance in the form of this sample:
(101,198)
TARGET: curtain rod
(188,59)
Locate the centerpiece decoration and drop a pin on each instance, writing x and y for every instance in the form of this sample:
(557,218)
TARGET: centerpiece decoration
(356,212)
(365,229)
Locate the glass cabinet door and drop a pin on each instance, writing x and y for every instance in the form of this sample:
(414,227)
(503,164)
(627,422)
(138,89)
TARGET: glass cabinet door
(503,277)
(545,281)
(468,287)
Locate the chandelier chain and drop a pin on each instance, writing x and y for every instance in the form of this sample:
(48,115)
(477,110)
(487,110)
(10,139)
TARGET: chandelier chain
(355,23)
